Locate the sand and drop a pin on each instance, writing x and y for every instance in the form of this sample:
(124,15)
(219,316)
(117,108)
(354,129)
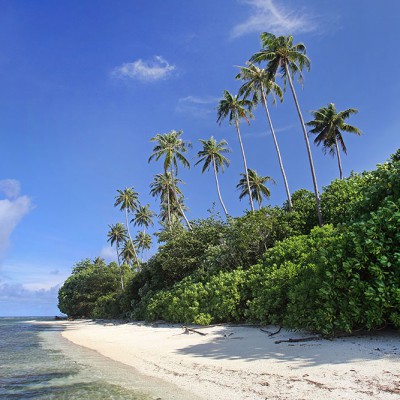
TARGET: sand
(239,363)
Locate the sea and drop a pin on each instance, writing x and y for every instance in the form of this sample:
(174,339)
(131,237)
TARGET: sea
(36,362)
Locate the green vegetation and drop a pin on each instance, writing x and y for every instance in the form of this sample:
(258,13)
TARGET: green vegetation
(275,265)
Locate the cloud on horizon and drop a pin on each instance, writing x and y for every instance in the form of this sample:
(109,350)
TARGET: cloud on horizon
(12,209)
(108,253)
(151,70)
(267,16)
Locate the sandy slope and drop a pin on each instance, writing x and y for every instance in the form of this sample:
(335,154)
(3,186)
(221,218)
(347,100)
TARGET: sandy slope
(238,363)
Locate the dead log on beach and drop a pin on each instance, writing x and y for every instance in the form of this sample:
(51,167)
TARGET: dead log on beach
(188,330)
(306,339)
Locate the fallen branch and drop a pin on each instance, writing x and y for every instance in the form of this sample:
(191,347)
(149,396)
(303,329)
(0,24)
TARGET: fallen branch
(188,330)
(306,339)
(271,333)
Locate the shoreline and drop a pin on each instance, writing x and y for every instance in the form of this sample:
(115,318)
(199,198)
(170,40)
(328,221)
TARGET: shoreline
(244,363)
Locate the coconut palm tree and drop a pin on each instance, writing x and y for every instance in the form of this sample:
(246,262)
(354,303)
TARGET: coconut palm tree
(128,200)
(118,235)
(128,254)
(328,125)
(234,108)
(257,186)
(288,59)
(164,186)
(143,217)
(143,241)
(212,154)
(260,84)
(172,148)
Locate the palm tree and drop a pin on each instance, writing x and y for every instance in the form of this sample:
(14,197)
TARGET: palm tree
(164,186)
(212,153)
(128,201)
(235,108)
(257,186)
(128,252)
(143,241)
(118,235)
(143,217)
(172,148)
(287,58)
(259,83)
(327,125)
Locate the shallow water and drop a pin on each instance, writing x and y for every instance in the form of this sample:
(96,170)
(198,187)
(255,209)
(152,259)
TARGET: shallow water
(37,363)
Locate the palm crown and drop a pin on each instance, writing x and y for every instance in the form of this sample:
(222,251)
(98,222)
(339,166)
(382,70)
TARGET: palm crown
(257,186)
(234,108)
(328,124)
(213,151)
(282,55)
(127,199)
(258,80)
(171,147)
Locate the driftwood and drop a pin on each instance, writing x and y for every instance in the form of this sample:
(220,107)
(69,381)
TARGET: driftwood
(188,330)
(271,333)
(306,339)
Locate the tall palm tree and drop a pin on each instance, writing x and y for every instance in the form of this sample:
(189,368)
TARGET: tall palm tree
(118,235)
(172,148)
(163,186)
(260,84)
(234,108)
(143,217)
(143,241)
(289,59)
(212,154)
(258,189)
(328,125)
(128,200)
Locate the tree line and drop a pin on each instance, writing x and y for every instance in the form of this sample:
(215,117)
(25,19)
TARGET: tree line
(278,59)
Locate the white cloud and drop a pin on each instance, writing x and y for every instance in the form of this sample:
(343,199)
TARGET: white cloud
(10,188)
(267,16)
(145,70)
(108,253)
(12,210)
(197,106)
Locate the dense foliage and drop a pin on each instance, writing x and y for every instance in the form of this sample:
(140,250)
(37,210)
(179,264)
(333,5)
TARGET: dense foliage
(272,266)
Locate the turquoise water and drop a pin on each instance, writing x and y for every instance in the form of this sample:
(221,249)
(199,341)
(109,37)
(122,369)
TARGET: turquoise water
(37,363)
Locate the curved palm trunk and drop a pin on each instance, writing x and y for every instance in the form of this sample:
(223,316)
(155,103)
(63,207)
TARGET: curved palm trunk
(177,202)
(265,103)
(121,273)
(314,178)
(130,237)
(218,190)
(245,163)
(339,159)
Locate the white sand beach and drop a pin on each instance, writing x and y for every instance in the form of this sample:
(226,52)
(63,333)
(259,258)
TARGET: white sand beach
(238,363)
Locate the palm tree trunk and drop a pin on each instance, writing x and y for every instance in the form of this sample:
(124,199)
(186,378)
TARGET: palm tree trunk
(265,103)
(177,202)
(314,178)
(218,190)
(169,210)
(339,159)
(121,273)
(244,162)
(130,237)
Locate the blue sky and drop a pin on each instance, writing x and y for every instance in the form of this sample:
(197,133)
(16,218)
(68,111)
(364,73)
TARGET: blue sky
(85,85)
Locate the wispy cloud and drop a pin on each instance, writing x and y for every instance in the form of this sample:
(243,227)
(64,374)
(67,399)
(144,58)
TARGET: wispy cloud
(197,106)
(268,16)
(145,70)
(108,253)
(12,209)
